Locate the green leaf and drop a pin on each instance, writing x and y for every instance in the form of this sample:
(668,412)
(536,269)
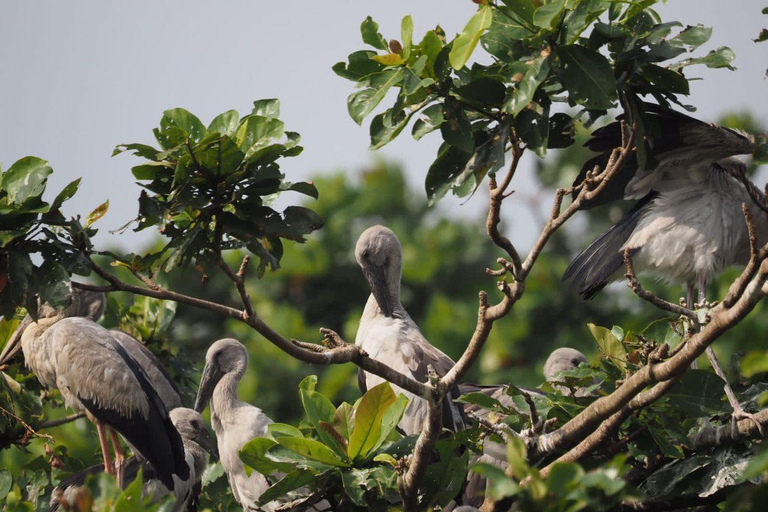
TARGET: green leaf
(609,345)
(225,123)
(362,103)
(754,363)
(130,499)
(97,213)
(390,419)
(354,485)
(456,128)
(269,108)
(563,476)
(524,9)
(386,126)
(668,79)
(370,32)
(309,382)
(256,131)
(368,420)
(449,164)
(499,485)
(25,179)
(283,430)
(757,467)
(65,194)
(588,76)
(693,37)
(522,95)
(406,35)
(319,409)
(465,43)
(763,36)
(429,120)
(186,121)
(389,59)
(361,64)
(303,187)
(6,481)
(698,393)
(312,449)
(546,15)
(533,129)
(288,483)
(720,58)
(253,454)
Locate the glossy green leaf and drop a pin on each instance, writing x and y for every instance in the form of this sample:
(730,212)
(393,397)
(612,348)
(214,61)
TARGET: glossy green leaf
(524,9)
(269,108)
(386,126)
(428,121)
(225,123)
(588,77)
(390,419)
(546,15)
(25,179)
(368,420)
(465,43)
(406,35)
(141,150)
(693,37)
(370,32)
(609,345)
(6,481)
(186,121)
(362,103)
(253,455)
(522,95)
(283,430)
(698,393)
(67,193)
(288,483)
(319,409)
(449,164)
(312,449)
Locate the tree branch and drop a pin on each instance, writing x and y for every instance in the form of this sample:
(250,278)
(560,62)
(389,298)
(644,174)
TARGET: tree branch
(644,294)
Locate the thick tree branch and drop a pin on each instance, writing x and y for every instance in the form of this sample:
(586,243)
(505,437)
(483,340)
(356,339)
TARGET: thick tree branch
(682,502)
(422,454)
(728,434)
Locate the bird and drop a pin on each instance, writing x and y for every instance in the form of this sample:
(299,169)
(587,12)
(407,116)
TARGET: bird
(234,422)
(687,224)
(197,441)
(91,306)
(560,360)
(97,376)
(388,334)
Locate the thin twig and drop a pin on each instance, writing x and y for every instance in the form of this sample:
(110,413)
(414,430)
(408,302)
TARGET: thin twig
(644,294)
(61,421)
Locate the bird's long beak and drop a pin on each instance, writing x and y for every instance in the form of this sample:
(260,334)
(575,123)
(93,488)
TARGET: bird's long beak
(211,376)
(377,278)
(14,342)
(206,440)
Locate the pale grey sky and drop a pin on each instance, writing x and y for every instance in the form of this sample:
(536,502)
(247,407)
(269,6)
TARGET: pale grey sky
(80,77)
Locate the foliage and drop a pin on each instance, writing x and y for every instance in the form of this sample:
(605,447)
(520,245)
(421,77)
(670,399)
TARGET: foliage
(540,56)
(211,189)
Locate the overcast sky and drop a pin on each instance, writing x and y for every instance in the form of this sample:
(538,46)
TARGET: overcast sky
(78,78)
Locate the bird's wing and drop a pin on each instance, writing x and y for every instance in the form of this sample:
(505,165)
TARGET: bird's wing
(158,375)
(107,381)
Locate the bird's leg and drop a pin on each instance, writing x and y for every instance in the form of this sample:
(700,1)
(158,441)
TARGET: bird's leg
(119,456)
(738,410)
(108,468)
(689,289)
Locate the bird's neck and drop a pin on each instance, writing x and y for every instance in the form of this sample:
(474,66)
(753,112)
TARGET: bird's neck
(225,394)
(198,456)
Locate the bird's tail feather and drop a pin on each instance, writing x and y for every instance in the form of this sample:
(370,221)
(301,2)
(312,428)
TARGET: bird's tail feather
(594,267)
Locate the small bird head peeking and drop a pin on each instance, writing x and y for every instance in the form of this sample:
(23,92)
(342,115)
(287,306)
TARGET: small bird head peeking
(191,427)
(560,360)
(380,256)
(226,356)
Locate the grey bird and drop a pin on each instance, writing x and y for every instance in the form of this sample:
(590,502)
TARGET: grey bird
(97,376)
(687,225)
(560,360)
(234,421)
(388,334)
(92,305)
(197,441)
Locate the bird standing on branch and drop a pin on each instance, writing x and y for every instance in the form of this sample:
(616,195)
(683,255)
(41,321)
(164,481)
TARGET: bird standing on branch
(388,334)
(97,376)
(687,224)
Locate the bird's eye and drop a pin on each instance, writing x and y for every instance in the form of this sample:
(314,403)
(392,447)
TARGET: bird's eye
(575,362)
(366,254)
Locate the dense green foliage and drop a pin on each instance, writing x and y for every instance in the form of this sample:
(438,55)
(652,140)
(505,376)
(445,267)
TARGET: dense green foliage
(551,68)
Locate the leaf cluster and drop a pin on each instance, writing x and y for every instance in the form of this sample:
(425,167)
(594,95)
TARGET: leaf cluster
(209,189)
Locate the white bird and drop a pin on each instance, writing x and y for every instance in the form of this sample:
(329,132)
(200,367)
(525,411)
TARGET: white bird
(95,375)
(197,441)
(234,422)
(687,225)
(388,334)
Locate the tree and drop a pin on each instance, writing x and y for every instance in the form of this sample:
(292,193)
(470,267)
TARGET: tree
(209,190)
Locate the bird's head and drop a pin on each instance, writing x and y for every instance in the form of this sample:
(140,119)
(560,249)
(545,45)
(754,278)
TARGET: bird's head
(225,356)
(379,254)
(191,427)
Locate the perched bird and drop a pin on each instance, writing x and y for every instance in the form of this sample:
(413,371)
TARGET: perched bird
(560,360)
(234,421)
(687,225)
(388,334)
(97,376)
(197,441)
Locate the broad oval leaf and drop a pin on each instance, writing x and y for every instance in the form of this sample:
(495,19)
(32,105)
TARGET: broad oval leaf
(609,345)
(225,123)
(588,76)
(312,449)
(368,420)
(465,43)
(319,409)
(369,29)
(288,483)
(25,179)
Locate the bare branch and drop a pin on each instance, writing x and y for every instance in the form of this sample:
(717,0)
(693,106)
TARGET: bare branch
(61,421)
(239,280)
(644,294)
(728,434)
(681,502)
(422,454)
